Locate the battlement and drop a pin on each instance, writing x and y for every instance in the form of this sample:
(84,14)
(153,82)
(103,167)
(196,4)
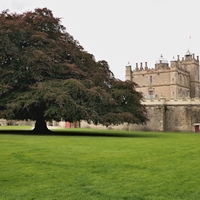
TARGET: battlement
(172,101)
(163,64)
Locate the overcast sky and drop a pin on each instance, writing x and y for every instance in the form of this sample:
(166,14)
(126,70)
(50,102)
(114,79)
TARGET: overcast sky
(122,31)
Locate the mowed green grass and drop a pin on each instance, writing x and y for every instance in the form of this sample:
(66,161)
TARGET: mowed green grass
(144,166)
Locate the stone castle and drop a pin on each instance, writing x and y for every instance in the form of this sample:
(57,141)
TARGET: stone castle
(171,93)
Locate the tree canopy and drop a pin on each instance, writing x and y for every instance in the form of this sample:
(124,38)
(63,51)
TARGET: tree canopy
(45,74)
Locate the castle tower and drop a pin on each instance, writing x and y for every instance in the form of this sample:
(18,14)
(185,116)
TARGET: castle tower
(128,72)
(174,78)
(161,63)
(192,66)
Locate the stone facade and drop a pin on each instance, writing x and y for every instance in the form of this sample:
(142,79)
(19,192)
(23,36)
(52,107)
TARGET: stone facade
(179,80)
(171,93)
(170,115)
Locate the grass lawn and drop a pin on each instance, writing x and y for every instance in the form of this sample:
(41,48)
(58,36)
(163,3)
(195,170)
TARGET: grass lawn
(144,166)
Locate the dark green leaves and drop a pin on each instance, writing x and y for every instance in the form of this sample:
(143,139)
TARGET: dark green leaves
(44,70)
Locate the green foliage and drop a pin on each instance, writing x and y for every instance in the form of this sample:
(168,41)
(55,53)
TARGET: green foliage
(45,72)
(144,165)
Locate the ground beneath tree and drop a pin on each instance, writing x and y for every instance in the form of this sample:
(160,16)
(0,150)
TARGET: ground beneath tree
(77,133)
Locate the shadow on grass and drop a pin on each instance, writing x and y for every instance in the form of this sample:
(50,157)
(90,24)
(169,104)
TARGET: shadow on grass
(89,133)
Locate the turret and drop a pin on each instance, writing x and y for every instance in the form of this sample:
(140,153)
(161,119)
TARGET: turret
(128,72)
(188,55)
(173,62)
(161,63)
(192,66)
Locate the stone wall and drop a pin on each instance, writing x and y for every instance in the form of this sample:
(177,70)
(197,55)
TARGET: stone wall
(84,124)
(156,122)
(164,115)
(4,122)
(179,118)
(171,115)
(168,118)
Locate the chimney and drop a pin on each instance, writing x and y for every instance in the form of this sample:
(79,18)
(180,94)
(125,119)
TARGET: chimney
(136,67)
(146,65)
(141,68)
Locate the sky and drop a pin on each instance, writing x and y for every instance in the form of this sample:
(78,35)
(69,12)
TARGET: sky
(125,31)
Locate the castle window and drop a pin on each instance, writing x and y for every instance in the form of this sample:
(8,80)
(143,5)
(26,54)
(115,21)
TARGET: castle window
(151,94)
(150,79)
(197,77)
(180,80)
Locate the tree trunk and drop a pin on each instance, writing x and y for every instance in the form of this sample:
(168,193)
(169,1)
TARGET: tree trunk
(40,125)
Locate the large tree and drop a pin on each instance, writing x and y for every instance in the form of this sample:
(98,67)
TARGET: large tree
(47,75)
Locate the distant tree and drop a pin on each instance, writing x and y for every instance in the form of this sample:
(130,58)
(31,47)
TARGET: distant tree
(47,75)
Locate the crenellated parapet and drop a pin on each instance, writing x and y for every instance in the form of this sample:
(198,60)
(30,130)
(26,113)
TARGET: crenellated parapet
(172,101)
(187,60)
(163,64)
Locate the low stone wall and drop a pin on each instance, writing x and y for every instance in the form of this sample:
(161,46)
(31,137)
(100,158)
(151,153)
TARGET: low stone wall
(171,115)
(4,122)
(164,115)
(156,120)
(84,124)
